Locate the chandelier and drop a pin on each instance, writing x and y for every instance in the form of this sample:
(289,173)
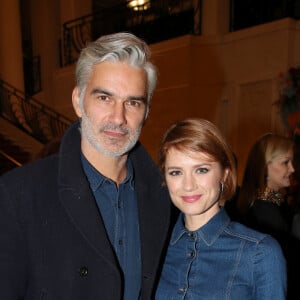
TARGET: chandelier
(138,5)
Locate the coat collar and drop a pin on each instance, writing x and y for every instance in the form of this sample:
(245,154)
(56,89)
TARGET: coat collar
(77,197)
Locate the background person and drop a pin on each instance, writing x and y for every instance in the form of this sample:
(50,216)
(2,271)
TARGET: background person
(90,222)
(262,201)
(210,257)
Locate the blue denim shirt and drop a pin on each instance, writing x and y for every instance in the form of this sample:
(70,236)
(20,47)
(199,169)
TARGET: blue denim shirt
(118,207)
(222,260)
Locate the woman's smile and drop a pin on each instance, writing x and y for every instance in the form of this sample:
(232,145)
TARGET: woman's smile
(191,199)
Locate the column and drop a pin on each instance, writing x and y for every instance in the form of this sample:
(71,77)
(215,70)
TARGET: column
(215,17)
(11,57)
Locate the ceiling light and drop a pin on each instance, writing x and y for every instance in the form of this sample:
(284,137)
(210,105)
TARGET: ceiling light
(138,5)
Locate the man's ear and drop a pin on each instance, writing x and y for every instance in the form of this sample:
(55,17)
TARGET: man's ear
(75,101)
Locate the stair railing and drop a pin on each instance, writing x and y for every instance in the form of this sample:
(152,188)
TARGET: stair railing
(12,161)
(30,115)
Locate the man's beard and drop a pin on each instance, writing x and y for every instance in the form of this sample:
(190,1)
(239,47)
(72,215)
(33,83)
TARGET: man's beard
(89,133)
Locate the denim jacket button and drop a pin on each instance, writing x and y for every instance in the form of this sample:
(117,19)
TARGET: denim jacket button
(192,235)
(182,290)
(192,254)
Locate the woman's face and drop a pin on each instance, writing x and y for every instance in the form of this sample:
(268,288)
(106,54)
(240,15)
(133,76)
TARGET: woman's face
(194,183)
(280,170)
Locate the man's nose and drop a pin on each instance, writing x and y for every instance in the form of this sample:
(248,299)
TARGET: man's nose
(118,113)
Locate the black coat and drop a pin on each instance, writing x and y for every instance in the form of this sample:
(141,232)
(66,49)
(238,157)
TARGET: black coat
(53,243)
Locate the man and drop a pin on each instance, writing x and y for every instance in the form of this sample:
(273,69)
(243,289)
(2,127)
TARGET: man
(92,221)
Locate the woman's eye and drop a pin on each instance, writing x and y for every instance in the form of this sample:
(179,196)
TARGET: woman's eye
(202,170)
(174,173)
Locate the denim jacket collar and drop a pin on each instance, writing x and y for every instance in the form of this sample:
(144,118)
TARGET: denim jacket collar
(209,232)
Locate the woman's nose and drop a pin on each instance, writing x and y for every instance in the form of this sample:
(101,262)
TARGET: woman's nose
(291,167)
(189,183)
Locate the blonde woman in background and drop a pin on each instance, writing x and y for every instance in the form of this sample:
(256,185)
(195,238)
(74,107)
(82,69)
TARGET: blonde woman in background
(262,202)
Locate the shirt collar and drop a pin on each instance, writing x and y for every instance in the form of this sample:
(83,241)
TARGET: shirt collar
(96,179)
(209,232)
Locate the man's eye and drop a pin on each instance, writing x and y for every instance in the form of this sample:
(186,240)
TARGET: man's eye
(134,103)
(103,97)
(202,170)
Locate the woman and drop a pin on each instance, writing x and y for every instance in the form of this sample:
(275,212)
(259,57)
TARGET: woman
(210,257)
(261,202)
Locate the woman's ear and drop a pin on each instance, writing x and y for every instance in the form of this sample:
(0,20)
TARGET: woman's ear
(226,172)
(76,102)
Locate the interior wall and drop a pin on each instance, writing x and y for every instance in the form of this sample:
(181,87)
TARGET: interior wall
(45,26)
(230,79)
(11,59)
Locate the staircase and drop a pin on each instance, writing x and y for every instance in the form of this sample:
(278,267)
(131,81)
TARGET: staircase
(26,125)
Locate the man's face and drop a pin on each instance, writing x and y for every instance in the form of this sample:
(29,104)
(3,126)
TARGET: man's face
(113,108)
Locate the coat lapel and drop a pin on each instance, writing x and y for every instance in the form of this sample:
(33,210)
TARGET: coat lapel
(154,210)
(77,197)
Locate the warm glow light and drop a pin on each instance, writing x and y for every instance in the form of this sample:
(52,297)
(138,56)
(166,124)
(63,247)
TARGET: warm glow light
(138,4)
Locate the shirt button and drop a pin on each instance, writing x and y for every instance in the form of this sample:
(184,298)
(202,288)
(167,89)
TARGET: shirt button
(183,290)
(120,242)
(83,271)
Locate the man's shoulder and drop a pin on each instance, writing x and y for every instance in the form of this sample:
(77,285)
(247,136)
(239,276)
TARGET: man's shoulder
(40,169)
(31,172)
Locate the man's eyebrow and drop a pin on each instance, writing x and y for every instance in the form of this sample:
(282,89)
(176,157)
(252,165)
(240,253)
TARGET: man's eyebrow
(100,91)
(141,98)
(138,98)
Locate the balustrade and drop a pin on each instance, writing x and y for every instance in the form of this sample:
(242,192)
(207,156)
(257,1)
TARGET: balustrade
(30,115)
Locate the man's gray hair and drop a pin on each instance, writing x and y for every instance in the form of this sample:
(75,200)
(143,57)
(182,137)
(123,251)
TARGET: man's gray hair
(116,47)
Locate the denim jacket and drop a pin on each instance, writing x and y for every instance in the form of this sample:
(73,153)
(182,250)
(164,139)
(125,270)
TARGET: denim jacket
(222,260)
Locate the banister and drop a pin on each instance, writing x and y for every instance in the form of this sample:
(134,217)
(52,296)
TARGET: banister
(30,115)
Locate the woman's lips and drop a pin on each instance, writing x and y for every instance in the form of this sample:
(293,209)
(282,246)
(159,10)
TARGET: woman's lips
(191,199)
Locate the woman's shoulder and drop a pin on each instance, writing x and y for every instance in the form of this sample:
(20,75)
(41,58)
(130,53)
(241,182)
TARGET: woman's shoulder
(258,245)
(241,231)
